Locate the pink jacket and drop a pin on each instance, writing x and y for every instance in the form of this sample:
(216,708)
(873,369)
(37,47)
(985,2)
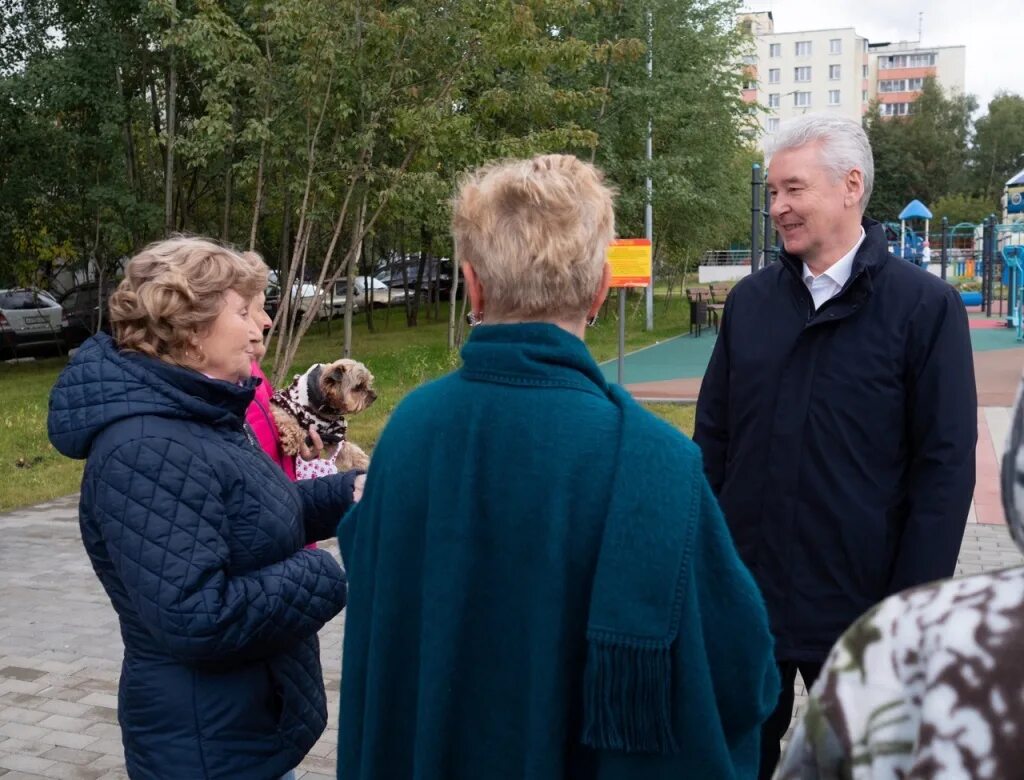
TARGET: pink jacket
(262,424)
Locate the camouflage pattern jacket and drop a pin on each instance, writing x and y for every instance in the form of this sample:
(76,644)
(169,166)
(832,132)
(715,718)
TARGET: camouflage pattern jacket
(930,683)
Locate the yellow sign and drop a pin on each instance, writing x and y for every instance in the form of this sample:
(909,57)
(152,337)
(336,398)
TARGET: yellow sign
(630,259)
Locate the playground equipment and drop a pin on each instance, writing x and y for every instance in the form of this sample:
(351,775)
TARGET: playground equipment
(1013,262)
(917,253)
(1013,200)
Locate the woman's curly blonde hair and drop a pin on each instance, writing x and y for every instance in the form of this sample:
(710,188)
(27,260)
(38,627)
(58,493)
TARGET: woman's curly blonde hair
(174,289)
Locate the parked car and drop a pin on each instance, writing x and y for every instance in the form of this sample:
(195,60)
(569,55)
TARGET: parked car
(380,295)
(81,306)
(436,271)
(30,319)
(272,300)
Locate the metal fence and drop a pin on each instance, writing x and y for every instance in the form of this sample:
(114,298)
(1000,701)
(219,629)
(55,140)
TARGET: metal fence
(726,257)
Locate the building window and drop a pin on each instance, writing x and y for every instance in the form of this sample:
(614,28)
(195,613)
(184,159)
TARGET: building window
(896,109)
(750,59)
(803,48)
(864,96)
(750,84)
(833,97)
(920,60)
(835,46)
(915,85)
(802,99)
(773,124)
(774,49)
(892,85)
(774,100)
(801,74)
(833,73)
(774,75)
(864,71)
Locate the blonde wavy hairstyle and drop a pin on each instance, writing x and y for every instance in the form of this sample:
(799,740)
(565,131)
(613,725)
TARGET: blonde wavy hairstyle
(174,290)
(536,232)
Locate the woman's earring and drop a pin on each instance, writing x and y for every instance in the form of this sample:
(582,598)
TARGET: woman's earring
(591,321)
(474,319)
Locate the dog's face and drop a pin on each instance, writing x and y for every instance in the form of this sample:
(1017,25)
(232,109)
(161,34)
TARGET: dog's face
(347,386)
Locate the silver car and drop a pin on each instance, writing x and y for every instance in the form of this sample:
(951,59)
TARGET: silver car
(29,319)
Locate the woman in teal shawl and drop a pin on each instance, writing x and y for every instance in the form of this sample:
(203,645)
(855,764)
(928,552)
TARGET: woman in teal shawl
(541,583)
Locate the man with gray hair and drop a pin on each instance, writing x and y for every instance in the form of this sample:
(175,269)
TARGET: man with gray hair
(838,415)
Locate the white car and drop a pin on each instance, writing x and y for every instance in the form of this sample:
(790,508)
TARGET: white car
(302,298)
(380,295)
(30,318)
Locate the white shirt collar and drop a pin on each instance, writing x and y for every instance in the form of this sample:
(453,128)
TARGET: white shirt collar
(839,272)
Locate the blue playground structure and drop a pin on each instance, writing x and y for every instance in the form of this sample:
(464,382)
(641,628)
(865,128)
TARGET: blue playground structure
(1013,263)
(909,245)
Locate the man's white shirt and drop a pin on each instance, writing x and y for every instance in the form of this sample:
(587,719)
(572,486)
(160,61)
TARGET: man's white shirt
(829,283)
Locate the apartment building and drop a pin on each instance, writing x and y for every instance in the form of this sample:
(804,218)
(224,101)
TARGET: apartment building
(897,72)
(837,71)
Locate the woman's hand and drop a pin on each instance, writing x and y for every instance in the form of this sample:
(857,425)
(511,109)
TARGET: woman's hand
(357,488)
(307,452)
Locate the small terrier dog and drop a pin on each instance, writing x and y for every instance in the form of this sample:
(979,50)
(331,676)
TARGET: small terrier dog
(321,397)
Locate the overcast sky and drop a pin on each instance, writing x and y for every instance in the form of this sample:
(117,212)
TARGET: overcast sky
(992,31)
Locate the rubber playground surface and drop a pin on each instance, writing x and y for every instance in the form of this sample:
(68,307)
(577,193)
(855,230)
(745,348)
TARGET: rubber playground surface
(672,369)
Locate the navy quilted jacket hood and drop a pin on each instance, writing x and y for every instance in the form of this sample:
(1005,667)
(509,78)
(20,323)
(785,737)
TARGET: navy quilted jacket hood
(198,538)
(102,385)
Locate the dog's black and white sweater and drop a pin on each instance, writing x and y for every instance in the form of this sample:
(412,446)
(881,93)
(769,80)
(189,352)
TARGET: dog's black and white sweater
(303,400)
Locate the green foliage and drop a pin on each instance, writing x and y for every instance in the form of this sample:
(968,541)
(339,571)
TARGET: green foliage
(922,155)
(290,116)
(998,151)
(959,208)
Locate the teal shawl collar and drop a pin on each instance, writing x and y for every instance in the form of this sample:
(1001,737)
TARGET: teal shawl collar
(643,565)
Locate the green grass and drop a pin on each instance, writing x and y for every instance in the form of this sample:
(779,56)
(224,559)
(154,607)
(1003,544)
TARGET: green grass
(32,469)
(400,358)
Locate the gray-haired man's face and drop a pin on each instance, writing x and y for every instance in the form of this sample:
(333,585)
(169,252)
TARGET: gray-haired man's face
(814,213)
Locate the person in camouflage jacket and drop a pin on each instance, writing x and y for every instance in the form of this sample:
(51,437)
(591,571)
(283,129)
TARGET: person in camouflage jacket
(930,683)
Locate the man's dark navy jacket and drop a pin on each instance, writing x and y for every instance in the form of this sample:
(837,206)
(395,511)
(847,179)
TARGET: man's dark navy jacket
(840,442)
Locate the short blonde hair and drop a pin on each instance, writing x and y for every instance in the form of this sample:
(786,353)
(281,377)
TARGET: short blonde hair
(174,289)
(536,232)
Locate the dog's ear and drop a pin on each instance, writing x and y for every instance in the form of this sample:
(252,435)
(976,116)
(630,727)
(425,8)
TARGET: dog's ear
(336,374)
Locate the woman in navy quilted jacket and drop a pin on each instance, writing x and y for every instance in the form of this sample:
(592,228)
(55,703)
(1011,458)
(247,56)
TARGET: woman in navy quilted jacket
(196,535)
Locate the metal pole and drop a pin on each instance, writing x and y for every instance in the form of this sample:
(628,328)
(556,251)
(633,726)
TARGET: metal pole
(649,209)
(766,216)
(945,245)
(622,332)
(989,269)
(755,215)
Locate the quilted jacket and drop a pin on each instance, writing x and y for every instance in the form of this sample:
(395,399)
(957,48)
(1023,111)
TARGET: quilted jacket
(197,537)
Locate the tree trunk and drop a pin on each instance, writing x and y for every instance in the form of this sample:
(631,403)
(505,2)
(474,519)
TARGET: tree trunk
(126,134)
(353,259)
(452,297)
(257,201)
(172,94)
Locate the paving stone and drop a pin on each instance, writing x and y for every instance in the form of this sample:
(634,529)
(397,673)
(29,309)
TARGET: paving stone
(73,741)
(23,731)
(19,715)
(58,707)
(69,756)
(100,700)
(23,763)
(65,723)
(21,673)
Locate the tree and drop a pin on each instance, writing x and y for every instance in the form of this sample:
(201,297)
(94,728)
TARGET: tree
(959,208)
(998,151)
(922,155)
